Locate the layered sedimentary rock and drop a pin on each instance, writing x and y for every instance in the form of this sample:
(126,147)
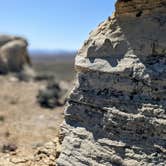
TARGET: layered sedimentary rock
(13,54)
(116,114)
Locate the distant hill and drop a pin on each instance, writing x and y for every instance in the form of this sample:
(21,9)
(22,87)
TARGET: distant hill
(52,53)
(59,63)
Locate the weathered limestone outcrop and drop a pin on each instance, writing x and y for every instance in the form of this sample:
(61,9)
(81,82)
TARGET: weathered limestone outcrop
(13,54)
(116,114)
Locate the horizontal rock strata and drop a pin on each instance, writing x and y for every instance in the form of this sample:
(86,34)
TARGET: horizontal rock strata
(116,114)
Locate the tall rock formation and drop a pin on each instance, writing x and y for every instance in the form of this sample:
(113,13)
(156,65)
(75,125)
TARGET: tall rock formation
(13,54)
(116,114)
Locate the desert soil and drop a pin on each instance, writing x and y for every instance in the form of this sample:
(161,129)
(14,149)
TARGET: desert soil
(24,125)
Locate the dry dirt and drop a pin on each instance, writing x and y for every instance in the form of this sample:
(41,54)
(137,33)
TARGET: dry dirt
(24,125)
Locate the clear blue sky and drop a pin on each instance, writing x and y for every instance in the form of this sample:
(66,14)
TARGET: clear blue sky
(53,24)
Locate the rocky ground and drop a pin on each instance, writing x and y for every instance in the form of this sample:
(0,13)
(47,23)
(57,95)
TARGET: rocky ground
(28,132)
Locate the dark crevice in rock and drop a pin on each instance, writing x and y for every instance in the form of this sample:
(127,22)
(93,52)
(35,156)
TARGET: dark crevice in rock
(124,0)
(139,14)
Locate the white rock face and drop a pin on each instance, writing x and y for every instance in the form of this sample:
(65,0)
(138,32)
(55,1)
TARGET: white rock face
(13,54)
(116,114)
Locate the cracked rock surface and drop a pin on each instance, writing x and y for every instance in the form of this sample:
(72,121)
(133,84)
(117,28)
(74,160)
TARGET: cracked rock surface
(116,114)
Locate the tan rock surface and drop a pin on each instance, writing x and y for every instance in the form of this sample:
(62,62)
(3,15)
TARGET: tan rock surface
(139,7)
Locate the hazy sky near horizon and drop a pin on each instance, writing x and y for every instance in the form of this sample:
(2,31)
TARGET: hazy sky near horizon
(53,24)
